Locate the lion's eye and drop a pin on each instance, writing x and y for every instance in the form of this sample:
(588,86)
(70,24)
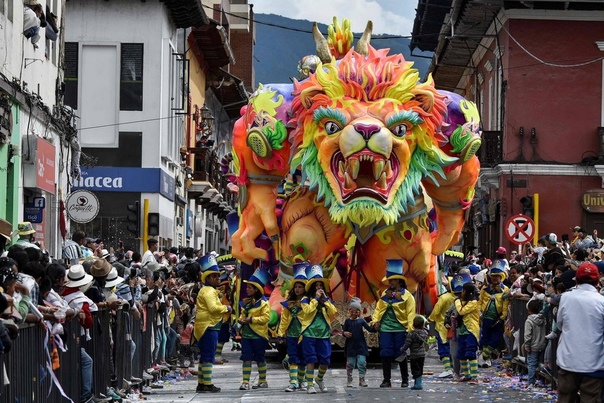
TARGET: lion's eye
(332,127)
(399,130)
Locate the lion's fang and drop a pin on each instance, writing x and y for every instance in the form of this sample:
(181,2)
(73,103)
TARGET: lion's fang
(378,167)
(341,168)
(381,183)
(348,182)
(353,167)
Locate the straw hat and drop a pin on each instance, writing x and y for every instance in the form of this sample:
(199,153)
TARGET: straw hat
(113,279)
(77,277)
(100,268)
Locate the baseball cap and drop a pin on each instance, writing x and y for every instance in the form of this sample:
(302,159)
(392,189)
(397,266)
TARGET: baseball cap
(551,238)
(576,228)
(587,273)
(501,251)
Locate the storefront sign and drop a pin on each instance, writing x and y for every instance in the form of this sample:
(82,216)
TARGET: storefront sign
(593,201)
(33,214)
(82,206)
(45,165)
(126,179)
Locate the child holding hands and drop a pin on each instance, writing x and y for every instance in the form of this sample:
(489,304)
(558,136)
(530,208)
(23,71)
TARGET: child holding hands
(356,345)
(417,343)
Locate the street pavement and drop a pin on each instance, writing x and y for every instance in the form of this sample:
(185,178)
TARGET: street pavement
(497,385)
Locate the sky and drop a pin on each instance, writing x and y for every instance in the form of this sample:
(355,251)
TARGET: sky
(394,17)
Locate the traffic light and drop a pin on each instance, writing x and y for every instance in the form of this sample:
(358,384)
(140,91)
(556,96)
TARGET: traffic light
(153,224)
(134,218)
(527,206)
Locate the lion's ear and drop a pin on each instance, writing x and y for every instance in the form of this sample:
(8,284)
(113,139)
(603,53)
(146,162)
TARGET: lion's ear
(307,95)
(425,100)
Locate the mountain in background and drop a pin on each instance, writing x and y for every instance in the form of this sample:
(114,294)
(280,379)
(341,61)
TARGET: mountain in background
(278,50)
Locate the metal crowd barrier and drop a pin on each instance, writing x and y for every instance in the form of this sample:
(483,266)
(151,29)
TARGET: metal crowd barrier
(518,315)
(26,365)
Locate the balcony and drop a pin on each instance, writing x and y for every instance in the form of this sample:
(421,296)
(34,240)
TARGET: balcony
(490,152)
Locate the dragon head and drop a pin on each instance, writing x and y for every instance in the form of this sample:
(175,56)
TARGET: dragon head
(364,135)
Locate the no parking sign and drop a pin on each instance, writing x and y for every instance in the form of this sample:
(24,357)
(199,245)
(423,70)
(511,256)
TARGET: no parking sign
(520,229)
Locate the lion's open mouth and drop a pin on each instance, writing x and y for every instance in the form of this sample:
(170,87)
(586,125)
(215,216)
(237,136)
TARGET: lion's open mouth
(365,174)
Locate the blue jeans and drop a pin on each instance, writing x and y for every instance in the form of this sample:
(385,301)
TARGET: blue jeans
(532,360)
(86,376)
(172,336)
(360,361)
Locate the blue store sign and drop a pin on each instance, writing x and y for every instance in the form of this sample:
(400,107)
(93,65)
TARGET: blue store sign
(33,214)
(124,179)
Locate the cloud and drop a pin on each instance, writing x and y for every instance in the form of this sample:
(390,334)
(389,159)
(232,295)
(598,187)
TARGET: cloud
(394,17)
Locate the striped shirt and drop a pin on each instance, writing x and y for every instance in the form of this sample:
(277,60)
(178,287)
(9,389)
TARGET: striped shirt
(72,251)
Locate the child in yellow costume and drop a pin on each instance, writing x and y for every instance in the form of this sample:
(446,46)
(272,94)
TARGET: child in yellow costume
(468,331)
(290,327)
(317,313)
(494,308)
(208,320)
(438,317)
(254,318)
(393,317)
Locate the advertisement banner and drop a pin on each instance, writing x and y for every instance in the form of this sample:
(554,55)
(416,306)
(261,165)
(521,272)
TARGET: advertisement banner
(45,165)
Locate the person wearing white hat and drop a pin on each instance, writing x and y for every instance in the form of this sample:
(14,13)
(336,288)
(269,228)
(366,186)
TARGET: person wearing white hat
(290,326)
(78,280)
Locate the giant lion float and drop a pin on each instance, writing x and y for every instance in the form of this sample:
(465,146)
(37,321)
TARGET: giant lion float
(335,168)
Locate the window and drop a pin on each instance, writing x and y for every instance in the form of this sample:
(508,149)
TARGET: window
(71,74)
(131,82)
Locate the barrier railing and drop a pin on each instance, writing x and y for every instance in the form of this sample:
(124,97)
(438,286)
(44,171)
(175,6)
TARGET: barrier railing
(518,316)
(27,364)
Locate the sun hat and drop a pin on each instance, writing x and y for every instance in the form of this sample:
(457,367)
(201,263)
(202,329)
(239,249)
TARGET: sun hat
(105,254)
(113,279)
(25,228)
(77,276)
(6,229)
(100,268)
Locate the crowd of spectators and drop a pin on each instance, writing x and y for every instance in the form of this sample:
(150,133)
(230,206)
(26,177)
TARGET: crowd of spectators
(45,292)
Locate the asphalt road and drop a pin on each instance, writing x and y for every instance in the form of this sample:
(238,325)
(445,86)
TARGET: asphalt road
(497,385)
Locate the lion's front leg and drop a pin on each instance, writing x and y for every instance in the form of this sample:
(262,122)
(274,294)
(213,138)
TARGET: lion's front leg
(451,199)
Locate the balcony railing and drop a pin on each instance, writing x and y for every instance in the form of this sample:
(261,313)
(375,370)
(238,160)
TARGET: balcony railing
(491,150)
(207,169)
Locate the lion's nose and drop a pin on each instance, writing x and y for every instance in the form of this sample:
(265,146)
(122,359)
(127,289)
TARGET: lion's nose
(366,130)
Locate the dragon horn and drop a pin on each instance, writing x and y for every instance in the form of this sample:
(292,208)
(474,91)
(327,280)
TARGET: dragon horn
(321,44)
(363,43)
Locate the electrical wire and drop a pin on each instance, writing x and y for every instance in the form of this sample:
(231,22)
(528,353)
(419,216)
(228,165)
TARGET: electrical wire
(133,121)
(543,61)
(308,31)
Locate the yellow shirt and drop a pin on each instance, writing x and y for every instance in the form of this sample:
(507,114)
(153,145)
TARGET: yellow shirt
(471,316)
(501,303)
(310,308)
(404,309)
(209,310)
(438,314)
(260,313)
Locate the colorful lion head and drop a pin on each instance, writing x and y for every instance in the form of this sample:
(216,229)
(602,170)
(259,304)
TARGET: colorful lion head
(364,135)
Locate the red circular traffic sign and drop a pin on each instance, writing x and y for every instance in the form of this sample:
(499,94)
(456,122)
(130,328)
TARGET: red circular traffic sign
(520,229)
